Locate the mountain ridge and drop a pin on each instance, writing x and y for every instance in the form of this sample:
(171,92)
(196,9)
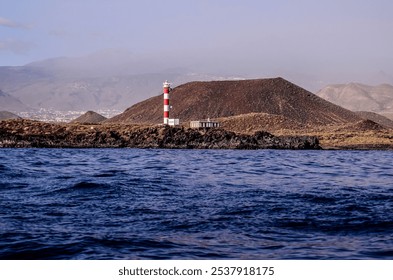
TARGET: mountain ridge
(360,97)
(10,103)
(108,80)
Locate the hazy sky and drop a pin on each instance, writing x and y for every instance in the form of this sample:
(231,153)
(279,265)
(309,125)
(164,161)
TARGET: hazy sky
(324,41)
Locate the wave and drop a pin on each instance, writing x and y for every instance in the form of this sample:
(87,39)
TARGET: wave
(32,250)
(83,185)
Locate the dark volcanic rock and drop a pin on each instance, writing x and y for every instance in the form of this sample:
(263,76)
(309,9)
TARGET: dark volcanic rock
(26,133)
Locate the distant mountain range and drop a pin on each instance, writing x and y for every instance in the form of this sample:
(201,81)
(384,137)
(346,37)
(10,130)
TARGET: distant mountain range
(360,97)
(38,89)
(108,80)
(10,103)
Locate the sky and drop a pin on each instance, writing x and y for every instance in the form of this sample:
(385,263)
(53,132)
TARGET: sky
(329,41)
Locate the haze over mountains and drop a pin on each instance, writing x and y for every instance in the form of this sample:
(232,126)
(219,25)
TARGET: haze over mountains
(10,103)
(105,80)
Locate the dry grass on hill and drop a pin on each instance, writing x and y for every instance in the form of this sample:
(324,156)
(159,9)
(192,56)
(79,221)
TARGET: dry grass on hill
(250,123)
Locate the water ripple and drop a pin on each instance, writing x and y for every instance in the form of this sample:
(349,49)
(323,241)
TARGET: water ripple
(171,204)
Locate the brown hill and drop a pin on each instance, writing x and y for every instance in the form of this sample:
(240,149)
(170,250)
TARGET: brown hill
(382,120)
(363,125)
(89,117)
(201,100)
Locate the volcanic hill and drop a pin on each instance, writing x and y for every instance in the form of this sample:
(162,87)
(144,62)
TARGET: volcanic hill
(382,120)
(218,99)
(89,117)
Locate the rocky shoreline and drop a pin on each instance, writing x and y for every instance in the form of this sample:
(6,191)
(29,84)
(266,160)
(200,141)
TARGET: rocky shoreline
(34,134)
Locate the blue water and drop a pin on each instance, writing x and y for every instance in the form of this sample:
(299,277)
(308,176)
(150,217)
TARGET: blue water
(195,204)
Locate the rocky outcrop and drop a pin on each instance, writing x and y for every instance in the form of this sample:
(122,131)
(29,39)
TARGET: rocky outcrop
(169,137)
(26,133)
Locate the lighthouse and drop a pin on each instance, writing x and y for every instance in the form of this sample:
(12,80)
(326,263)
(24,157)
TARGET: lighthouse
(165,90)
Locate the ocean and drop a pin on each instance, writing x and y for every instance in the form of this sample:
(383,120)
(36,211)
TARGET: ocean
(195,204)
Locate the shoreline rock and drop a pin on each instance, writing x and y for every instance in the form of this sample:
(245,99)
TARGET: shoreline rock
(33,134)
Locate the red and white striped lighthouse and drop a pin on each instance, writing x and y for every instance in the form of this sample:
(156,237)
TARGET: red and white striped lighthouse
(165,91)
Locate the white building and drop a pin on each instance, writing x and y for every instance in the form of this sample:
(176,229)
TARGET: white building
(204,124)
